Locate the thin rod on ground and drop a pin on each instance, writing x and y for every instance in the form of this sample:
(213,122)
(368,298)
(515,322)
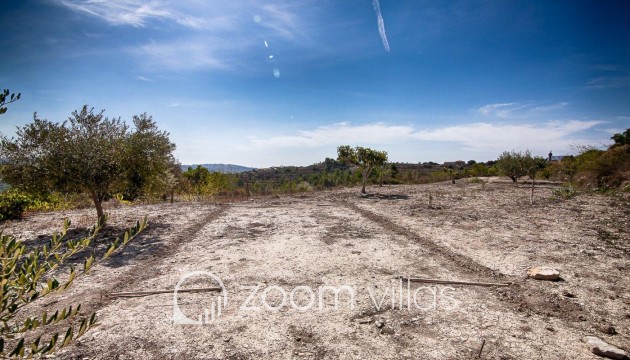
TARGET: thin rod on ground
(145,293)
(453,282)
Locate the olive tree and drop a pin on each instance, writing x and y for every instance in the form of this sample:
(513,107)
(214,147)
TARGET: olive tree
(365,159)
(514,164)
(534,165)
(148,159)
(88,153)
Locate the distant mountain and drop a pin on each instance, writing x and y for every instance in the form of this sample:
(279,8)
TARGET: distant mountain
(222,168)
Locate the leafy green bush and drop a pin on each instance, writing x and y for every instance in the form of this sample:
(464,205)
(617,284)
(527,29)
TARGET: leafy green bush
(13,204)
(603,169)
(565,192)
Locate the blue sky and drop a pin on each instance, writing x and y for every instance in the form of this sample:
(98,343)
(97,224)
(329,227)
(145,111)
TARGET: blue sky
(266,83)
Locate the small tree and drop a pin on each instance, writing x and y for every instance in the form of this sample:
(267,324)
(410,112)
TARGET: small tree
(364,158)
(88,153)
(534,165)
(148,159)
(451,174)
(621,139)
(514,164)
(199,179)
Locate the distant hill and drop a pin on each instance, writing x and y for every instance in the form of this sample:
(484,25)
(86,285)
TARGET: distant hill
(222,168)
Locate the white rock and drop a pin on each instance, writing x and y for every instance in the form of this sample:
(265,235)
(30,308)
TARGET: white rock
(543,273)
(601,348)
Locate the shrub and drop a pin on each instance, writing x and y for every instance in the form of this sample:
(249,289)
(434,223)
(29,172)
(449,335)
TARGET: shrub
(304,186)
(565,192)
(13,204)
(603,169)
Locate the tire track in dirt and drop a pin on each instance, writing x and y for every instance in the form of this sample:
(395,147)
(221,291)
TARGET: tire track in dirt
(94,300)
(169,249)
(447,256)
(148,269)
(519,296)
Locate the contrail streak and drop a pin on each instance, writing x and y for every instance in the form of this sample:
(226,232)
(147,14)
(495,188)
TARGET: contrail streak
(381,24)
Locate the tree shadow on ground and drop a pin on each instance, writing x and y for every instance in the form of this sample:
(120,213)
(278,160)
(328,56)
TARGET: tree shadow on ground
(385,196)
(146,243)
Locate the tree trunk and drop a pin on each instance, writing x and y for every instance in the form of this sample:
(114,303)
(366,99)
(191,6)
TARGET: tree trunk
(172,195)
(514,178)
(365,174)
(98,203)
(531,199)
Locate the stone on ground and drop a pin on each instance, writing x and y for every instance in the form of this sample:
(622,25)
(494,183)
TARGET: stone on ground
(543,273)
(601,348)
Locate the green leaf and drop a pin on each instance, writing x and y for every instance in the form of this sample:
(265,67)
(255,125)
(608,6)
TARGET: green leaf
(35,345)
(84,327)
(88,263)
(51,345)
(68,337)
(19,349)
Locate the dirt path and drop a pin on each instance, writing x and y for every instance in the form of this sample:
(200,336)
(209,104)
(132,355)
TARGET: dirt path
(278,257)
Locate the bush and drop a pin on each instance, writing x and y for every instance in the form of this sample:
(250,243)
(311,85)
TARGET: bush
(304,186)
(13,204)
(603,169)
(565,192)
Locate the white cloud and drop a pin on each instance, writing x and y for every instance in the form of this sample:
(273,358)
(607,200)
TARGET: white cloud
(609,82)
(500,110)
(479,137)
(281,19)
(549,107)
(182,55)
(341,133)
(515,109)
(215,35)
(498,137)
(142,78)
(132,12)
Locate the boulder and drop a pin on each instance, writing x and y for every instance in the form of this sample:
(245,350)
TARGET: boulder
(543,273)
(601,348)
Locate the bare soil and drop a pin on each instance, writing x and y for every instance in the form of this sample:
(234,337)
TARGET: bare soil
(288,246)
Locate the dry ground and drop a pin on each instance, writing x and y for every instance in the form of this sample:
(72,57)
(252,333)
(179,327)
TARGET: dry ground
(473,232)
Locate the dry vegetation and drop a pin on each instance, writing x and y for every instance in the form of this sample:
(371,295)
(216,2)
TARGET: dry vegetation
(472,231)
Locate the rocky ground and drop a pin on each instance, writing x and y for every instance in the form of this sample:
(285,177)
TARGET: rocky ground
(281,259)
